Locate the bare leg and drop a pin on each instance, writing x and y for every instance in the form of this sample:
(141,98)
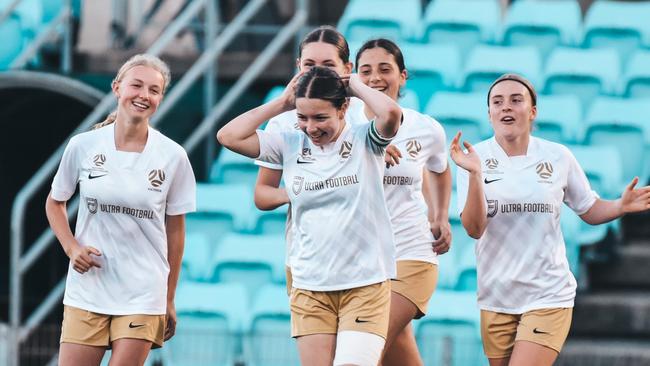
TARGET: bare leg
(72,354)
(499,361)
(317,349)
(532,354)
(404,350)
(129,352)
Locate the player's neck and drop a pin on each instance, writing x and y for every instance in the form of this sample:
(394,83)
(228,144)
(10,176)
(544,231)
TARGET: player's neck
(131,136)
(514,146)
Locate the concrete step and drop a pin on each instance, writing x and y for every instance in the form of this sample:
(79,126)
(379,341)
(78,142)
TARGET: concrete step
(612,314)
(631,268)
(604,352)
(635,226)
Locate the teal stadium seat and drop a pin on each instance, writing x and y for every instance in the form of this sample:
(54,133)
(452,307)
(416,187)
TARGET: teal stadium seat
(450,333)
(12,42)
(209,326)
(486,63)
(466,112)
(559,118)
(196,264)
(409,99)
(624,124)
(30,13)
(636,78)
(623,26)
(270,222)
(251,260)
(268,341)
(544,24)
(584,73)
(431,68)
(366,19)
(467,276)
(233,168)
(463,23)
(221,208)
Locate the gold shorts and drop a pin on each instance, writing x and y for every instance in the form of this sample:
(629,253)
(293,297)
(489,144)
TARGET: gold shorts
(416,281)
(546,327)
(93,329)
(363,309)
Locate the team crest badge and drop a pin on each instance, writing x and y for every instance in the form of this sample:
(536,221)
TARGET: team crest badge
(346,149)
(91,203)
(492,207)
(491,163)
(413,147)
(296,187)
(544,170)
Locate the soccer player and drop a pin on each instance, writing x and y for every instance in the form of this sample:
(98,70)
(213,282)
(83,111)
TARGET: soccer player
(135,186)
(420,183)
(510,192)
(343,248)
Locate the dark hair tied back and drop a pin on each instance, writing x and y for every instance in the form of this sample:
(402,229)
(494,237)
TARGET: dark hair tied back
(322,83)
(329,35)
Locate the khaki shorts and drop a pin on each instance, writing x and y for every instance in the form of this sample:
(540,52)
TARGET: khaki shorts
(363,309)
(93,329)
(546,327)
(416,281)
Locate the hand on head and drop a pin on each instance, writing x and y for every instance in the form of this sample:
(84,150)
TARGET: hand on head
(288,96)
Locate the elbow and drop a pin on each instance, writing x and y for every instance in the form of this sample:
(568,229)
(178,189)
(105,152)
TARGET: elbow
(394,114)
(475,233)
(224,138)
(475,229)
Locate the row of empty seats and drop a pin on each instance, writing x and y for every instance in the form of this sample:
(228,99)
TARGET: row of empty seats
(544,24)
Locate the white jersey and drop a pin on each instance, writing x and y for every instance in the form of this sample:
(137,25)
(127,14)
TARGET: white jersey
(288,121)
(342,234)
(124,197)
(422,142)
(521,257)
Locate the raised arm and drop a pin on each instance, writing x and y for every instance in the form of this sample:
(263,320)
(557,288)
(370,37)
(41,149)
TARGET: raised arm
(388,112)
(239,134)
(632,200)
(474,214)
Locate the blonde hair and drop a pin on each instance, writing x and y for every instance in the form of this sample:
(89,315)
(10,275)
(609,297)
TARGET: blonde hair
(142,59)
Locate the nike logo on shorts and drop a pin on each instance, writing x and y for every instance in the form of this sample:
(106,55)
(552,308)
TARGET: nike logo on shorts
(357,320)
(91,176)
(537,331)
(486,181)
(131,325)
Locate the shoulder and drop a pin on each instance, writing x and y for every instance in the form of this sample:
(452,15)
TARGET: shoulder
(552,149)
(422,121)
(88,139)
(167,146)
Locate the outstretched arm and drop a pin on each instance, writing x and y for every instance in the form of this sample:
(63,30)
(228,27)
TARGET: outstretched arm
(632,200)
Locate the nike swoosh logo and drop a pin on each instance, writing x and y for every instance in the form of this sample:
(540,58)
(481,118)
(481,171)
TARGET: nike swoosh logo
(357,320)
(537,331)
(304,162)
(486,181)
(131,325)
(91,176)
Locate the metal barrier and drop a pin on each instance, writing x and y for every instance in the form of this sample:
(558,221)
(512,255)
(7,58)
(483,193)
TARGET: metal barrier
(20,263)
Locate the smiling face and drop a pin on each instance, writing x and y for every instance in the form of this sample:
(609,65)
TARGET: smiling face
(378,69)
(511,110)
(322,54)
(139,92)
(320,120)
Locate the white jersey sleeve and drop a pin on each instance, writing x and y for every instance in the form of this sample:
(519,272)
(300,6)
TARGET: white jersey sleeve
(181,198)
(284,122)
(437,161)
(67,176)
(271,147)
(578,194)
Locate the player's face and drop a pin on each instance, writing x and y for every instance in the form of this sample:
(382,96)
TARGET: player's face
(377,69)
(322,54)
(139,92)
(511,109)
(320,120)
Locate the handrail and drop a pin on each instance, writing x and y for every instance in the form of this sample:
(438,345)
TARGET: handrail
(44,36)
(8,10)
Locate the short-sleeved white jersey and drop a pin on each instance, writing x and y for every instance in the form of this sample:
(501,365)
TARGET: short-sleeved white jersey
(521,257)
(124,198)
(422,142)
(342,233)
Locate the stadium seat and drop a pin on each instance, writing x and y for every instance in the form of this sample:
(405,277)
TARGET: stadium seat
(233,168)
(221,208)
(12,42)
(210,321)
(603,167)
(622,123)
(466,112)
(544,24)
(251,260)
(196,257)
(30,13)
(467,276)
(270,222)
(449,334)
(584,73)
(559,118)
(409,99)
(463,23)
(486,63)
(620,25)
(431,68)
(366,19)
(636,78)
(268,341)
